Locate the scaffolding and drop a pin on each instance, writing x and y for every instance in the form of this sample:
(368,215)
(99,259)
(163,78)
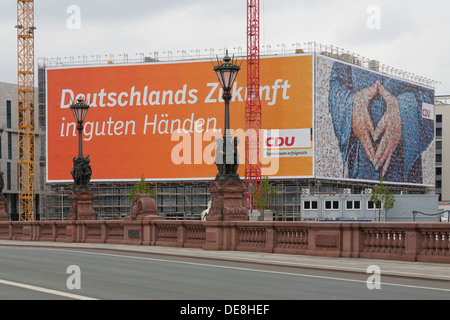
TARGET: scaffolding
(208,54)
(175,200)
(186,200)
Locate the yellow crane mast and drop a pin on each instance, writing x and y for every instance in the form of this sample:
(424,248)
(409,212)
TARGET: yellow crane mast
(26,99)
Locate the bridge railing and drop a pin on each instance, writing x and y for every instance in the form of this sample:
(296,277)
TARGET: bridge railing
(409,241)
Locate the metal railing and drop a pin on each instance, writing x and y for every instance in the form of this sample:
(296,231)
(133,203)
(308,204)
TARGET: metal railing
(439,214)
(211,53)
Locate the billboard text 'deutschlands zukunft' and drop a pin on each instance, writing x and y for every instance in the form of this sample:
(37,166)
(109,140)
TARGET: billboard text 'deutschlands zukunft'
(320,118)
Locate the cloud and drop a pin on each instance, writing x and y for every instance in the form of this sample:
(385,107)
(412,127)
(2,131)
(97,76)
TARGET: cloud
(375,25)
(410,38)
(171,28)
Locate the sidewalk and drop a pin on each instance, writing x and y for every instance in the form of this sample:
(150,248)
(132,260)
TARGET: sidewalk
(388,267)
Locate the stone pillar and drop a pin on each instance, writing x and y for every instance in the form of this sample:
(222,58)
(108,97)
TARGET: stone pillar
(3,204)
(143,208)
(227,200)
(81,205)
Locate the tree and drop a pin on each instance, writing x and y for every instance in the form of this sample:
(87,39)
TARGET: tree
(264,194)
(382,198)
(143,188)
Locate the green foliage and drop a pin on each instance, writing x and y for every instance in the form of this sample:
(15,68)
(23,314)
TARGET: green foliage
(263,197)
(143,188)
(382,198)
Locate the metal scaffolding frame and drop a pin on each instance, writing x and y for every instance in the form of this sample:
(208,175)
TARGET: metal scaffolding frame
(185,200)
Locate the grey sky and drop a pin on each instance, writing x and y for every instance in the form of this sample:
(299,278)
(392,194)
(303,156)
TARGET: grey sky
(413,34)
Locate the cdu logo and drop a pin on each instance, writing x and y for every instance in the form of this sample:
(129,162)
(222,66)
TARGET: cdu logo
(280,142)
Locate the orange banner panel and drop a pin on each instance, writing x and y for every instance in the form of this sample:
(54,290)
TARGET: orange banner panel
(161,120)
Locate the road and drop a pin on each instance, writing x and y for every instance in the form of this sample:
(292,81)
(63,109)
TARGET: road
(36,273)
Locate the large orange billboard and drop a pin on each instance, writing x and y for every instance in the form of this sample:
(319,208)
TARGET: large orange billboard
(160,120)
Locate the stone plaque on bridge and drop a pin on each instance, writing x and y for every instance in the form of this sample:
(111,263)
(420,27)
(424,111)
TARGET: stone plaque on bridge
(133,233)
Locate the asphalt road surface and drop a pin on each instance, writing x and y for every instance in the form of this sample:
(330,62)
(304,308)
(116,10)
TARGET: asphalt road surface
(34,273)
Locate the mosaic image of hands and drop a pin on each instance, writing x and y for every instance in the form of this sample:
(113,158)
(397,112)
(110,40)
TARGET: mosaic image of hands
(378,128)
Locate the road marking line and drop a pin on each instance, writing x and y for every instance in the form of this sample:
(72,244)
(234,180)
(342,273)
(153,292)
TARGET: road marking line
(252,270)
(44,290)
(388,272)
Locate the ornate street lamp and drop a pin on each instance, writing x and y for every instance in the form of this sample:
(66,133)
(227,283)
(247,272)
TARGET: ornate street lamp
(226,152)
(79,111)
(81,198)
(81,171)
(227,72)
(227,190)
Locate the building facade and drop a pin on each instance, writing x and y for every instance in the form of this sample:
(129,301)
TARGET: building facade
(9,151)
(330,178)
(442,109)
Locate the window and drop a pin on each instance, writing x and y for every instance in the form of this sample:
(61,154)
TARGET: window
(9,146)
(331,205)
(349,205)
(371,205)
(438,144)
(306,205)
(8,114)
(310,205)
(438,171)
(353,205)
(8,176)
(439,118)
(438,132)
(336,205)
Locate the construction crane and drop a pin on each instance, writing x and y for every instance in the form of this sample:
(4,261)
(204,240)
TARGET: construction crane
(253,105)
(26,99)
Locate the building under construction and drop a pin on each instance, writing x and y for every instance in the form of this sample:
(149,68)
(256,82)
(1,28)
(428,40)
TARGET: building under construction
(187,199)
(9,152)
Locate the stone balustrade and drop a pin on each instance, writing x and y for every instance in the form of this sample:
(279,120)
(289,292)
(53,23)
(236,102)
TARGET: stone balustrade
(425,242)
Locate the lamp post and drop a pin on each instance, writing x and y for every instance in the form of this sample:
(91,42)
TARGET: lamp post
(227,71)
(81,198)
(227,190)
(81,171)
(79,111)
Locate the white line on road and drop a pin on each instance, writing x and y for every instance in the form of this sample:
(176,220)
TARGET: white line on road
(45,290)
(249,270)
